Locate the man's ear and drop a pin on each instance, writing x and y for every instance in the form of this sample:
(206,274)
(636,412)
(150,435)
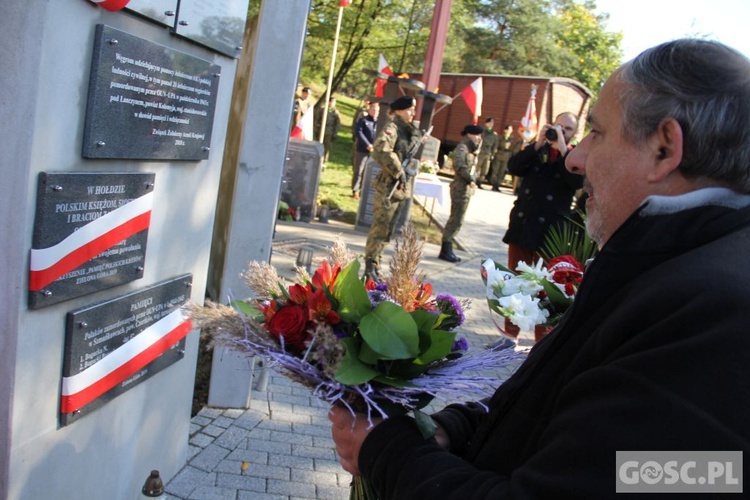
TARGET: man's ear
(666,144)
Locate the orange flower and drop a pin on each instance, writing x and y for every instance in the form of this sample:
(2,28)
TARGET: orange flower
(421,299)
(267,308)
(321,308)
(325,276)
(299,293)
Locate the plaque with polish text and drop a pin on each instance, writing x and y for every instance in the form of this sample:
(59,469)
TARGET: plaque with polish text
(90,233)
(112,346)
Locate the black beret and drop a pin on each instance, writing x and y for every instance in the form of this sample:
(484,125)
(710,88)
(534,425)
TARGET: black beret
(472,129)
(403,102)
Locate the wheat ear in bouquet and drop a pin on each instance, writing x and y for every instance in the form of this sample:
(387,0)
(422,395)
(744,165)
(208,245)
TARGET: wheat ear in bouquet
(380,349)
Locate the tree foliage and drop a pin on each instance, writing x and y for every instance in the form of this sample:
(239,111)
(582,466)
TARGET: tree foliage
(563,38)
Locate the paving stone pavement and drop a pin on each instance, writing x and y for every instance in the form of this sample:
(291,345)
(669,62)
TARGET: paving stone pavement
(281,448)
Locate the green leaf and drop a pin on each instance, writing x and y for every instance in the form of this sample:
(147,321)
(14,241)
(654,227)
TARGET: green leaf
(555,295)
(351,294)
(352,371)
(425,424)
(425,321)
(248,309)
(367,355)
(441,343)
(391,332)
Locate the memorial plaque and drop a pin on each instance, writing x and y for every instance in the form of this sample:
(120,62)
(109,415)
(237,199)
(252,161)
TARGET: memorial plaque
(90,233)
(161,11)
(147,101)
(217,24)
(112,346)
(299,184)
(364,211)
(430,150)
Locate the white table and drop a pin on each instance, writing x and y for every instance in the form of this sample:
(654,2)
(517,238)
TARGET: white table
(430,186)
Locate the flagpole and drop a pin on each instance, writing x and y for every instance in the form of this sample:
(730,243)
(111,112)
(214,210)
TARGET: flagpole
(330,76)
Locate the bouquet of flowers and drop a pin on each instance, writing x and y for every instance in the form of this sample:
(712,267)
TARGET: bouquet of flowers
(380,349)
(534,296)
(286,212)
(428,167)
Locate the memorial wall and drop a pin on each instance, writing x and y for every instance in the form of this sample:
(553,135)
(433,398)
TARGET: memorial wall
(113,168)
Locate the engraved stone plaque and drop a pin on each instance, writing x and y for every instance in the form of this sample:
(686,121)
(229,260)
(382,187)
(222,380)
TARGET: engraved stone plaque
(430,150)
(217,24)
(364,211)
(299,185)
(90,233)
(147,101)
(161,11)
(112,346)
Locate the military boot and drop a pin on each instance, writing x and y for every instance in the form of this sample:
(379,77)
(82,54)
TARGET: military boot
(446,252)
(372,271)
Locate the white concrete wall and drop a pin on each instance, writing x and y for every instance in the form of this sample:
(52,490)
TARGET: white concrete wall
(45,56)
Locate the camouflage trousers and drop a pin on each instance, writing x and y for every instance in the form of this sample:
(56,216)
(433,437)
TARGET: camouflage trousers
(499,167)
(460,196)
(483,167)
(385,213)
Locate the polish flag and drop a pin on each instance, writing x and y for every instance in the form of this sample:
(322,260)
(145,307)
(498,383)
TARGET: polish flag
(345,3)
(82,388)
(48,264)
(473,97)
(111,5)
(304,127)
(529,125)
(385,69)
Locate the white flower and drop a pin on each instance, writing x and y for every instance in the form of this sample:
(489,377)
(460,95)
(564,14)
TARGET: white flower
(523,311)
(496,279)
(537,273)
(522,284)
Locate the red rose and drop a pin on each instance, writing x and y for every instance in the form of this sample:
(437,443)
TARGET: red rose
(290,322)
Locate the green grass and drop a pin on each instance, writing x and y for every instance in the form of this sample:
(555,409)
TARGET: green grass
(335,184)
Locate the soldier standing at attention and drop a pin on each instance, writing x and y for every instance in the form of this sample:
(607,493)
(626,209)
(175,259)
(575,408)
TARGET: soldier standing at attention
(503,154)
(392,145)
(487,152)
(462,187)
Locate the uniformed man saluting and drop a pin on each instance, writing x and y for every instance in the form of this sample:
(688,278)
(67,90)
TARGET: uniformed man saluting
(395,142)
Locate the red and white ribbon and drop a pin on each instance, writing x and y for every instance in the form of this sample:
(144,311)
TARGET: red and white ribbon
(81,389)
(111,5)
(48,264)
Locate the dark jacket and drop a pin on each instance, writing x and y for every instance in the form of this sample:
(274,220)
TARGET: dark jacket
(544,196)
(364,133)
(652,355)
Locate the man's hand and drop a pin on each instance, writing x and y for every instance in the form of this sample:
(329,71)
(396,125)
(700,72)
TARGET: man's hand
(349,433)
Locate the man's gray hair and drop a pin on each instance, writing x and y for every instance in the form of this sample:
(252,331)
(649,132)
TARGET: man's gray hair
(705,86)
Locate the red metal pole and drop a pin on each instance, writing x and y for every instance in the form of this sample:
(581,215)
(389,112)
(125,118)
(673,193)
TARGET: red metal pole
(433,62)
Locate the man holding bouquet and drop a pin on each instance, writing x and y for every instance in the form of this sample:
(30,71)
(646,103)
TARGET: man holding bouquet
(651,358)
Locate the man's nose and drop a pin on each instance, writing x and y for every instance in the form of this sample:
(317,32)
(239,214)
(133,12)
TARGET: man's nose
(576,160)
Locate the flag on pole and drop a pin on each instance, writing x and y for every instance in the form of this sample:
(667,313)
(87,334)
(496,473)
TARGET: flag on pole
(473,95)
(303,129)
(345,3)
(529,125)
(385,69)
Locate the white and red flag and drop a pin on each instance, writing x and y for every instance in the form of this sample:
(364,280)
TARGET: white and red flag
(111,5)
(345,3)
(386,70)
(303,129)
(84,387)
(473,95)
(529,124)
(48,264)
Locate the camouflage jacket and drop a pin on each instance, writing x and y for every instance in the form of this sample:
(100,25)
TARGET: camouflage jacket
(393,143)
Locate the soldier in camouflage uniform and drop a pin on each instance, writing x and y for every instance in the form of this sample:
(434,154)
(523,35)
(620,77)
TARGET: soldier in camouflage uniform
(462,187)
(504,152)
(392,144)
(487,151)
